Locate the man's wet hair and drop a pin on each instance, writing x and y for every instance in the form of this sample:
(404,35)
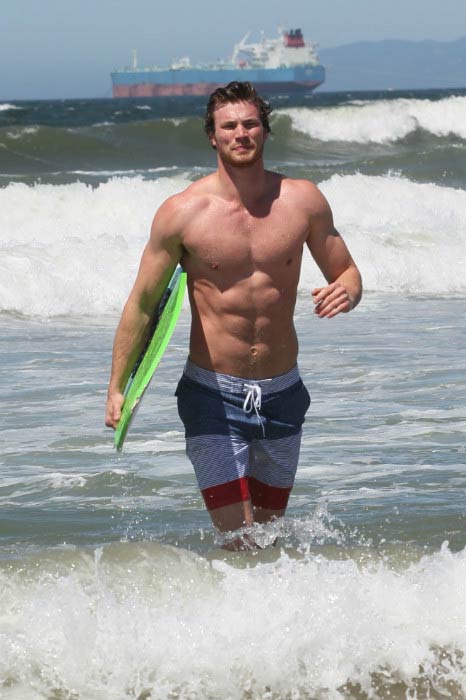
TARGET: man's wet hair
(236,92)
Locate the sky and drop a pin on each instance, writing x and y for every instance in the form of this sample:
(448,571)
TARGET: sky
(57,49)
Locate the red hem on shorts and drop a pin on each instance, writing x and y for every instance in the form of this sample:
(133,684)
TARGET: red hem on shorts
(226,494)
(261,495)
(265,496)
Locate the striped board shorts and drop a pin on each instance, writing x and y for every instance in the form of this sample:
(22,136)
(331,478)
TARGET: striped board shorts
(243,436)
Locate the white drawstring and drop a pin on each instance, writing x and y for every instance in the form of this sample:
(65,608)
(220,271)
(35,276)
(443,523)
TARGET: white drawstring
(253,401)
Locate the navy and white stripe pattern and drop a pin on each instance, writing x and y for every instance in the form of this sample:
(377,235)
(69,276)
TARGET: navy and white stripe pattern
(219,459)
(238,428)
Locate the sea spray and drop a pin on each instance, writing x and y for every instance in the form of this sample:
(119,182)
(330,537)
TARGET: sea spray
(145,620)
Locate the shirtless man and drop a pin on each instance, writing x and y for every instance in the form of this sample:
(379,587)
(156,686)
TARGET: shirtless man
(239,234)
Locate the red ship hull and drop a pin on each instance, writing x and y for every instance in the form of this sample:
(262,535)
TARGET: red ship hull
(205,89)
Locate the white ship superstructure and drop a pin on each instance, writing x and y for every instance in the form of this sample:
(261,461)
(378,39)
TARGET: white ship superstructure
(289,49)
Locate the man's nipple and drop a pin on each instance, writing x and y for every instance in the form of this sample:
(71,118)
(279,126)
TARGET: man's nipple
(214,266)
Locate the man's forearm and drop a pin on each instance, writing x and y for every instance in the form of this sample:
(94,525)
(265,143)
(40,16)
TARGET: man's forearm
(351,280)
(129,341)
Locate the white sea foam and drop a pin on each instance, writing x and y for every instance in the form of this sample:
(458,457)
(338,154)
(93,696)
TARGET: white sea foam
(176,121)
(24,131)
(383,121)
(74,249)
(5,107)
(406,237)
(139,621)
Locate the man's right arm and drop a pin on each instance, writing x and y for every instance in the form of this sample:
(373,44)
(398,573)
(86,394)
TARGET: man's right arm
(159,259)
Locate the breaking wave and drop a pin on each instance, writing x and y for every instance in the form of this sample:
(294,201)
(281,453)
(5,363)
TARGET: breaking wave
(35,149)
(383,121)
(147,621)
(6,107)
(73,249)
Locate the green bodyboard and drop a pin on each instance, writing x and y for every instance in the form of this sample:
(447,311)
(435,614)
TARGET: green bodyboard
(148,361)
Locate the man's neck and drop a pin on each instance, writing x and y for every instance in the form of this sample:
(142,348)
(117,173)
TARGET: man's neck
(245,185)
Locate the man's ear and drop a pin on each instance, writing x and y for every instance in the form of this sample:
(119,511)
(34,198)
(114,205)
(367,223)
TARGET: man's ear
(213,143)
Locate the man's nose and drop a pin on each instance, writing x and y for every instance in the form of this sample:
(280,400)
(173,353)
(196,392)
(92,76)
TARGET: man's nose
(241,131)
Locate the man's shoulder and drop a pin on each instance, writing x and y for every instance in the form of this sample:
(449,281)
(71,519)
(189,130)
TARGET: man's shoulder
(300,187)
(303,193)
(180,209)
(197,195)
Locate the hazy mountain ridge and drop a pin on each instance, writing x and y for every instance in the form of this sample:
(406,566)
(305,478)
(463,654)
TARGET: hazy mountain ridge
(395,64)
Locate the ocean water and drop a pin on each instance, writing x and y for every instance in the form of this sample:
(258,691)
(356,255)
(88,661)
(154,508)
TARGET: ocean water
(113,585)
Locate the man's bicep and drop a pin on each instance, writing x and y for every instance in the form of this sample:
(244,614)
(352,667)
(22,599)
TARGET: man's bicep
(331,254)
(326,245)
(161,255)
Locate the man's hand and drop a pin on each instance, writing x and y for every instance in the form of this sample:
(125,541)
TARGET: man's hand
(113,411)
(331,300)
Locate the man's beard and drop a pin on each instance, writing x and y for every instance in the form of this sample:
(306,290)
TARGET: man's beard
(239,162)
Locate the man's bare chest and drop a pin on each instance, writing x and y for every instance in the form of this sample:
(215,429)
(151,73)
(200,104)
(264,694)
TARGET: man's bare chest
(239,239)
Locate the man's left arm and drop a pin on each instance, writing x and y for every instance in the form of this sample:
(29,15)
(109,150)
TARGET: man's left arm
(344,289)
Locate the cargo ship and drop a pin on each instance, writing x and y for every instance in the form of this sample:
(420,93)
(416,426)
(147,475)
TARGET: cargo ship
(283,65)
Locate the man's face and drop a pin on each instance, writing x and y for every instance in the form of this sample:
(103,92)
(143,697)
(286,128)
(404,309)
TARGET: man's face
(239,135)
